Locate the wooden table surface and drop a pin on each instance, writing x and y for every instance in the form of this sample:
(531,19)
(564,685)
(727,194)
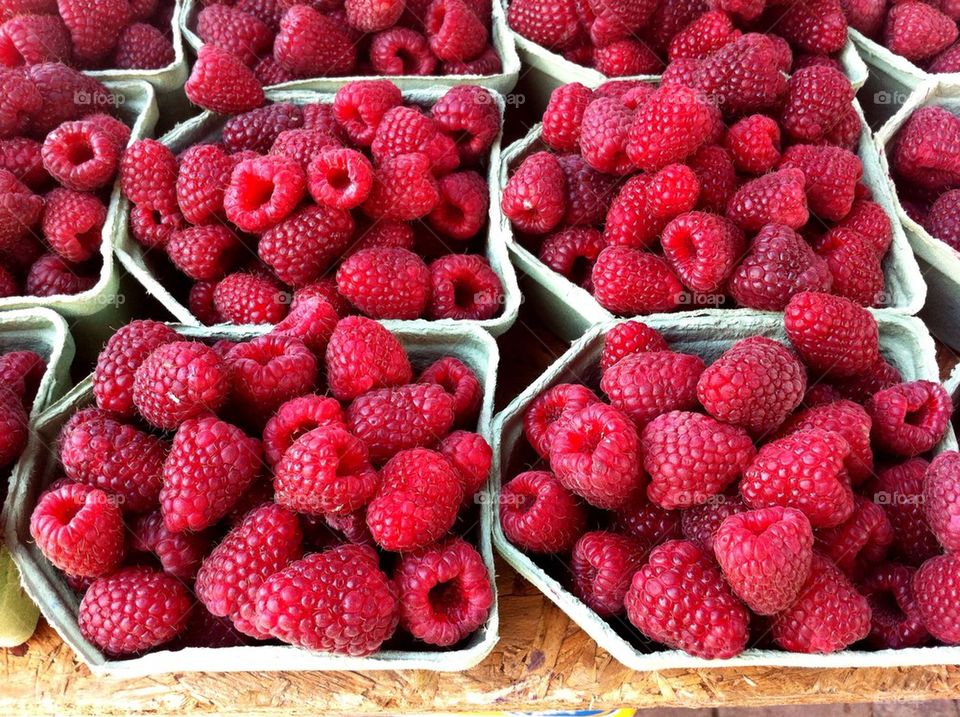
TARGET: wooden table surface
(542,662)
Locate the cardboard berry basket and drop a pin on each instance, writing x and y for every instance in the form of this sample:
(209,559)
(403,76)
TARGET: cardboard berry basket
(904,342)
(59,604)
(939,262)
(571,310)
(206,127)
(500,37)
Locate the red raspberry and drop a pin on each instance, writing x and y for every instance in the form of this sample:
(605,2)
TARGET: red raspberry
(670,126)
(385,283)
(21,372)
(703,249)
(563,116)
(419,496)
(627,338)
(828,616)
(79,529)
(942,220)
(33,39)
(457,379)
(774,198)
(471,455)
(572,253)
(21,157)
(94,26)
(946,61)
(632,281)
(143,47)
(363,356)
(540,515)
(691,458)
(604,134)
(20,104)
(454,31)
(403,188)
(551,23)
(463,286)
(302,247)
(626,57)
(359,106)
(918,31)
(645,385)
(743,76)
(804,470)
(391,420)
(926,151)
(59,88)
(180,554)
(235,31)
(941,498)
(73,223)
(220,82)
(647,523)
(855,266)
(535,195)
(895,614)
(550,410)
(311,44)
(596,454)
(258,129)
(52,275)
(702,37)
(263,191)
(832,334)
(268,371)
(487,63)
(699,524)
(870,220)
(462,209)
(122,355)
(716,175)
(402,51)
(204,253)
(20,211)
(754,144)
(817,98)
(205,171)
(311,321)
(848,419)
(861,387)
(152,227)
(200,301)
(115,458)
(81,156)
(818,26)
(756,384)
(603,565)
(303,144)
(900,492)
(210,465)
(934,585)
(242,298)
(295,418)
(9,286)
(861,542)
(697,589)
(179,380)
(865,15)
(133,610)
(148,175)
(336,601)
(909,418)
(340,178)
(831,176)
(373,15)
(588,192)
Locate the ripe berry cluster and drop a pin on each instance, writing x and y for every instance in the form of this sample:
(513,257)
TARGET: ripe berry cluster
(87,34)
(348,200)
(925,164)
(737,185)
(923,32)
(59,155)
(20,376)
(789,484)
(283,520)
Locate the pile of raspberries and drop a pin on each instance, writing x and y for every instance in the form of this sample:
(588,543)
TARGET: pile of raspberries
(637,37)
(216,496)
(925,165)
(20,376)
(775,497)
(87,34)
(923,32)
(714,186)
(267,42)
(60,150)
(349,201)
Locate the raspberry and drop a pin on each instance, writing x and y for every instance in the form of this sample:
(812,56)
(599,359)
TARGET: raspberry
(359,106)
(295,418)
(21,157)
(73,223)
(391,420)
(153,228)
(401,51)
(831,175)
(33,39)
(177,381)
(148,175)
(336,601)
(462,209)
(239,33)
(743,76)
(373,15)
(550,410)
(604,133)
(754,144)
(417,502)
(900,492)
(909,418)
(115,458)
(340,178)
(302,247)
(854,265)
(572,253)
(21,102)
(870,220)
(861,542)
(860,388)
(220,82)
(59,88)
(848,419)
(454,31)
(20,210)
(210,465)
(774,198)
(942,220)
(703,249)
(534,196)
(79,529)
(934,585)
(691,458)
(626,57)
(13,8)
(471,456)
(865,15)
(946,61)
(918,31)
(603,565)
(895,614)
(22,372)
(563,116)
(52,275)
(818,26)
(363,356)
(142,46)
(670,126)
(631,281)
(941,499)
(549,23)
(180,554)
(303,144)
(645,385)
(487,63)
(832,334)
(242,298)
(702,37)
(926,151)
(133,610)
(268,540)
(817,97)
(263,191)
(122,355)
(81,156)
(94,26)
(595,453)
(311,44)
(804,470)
(828,616)
(403,188)
(647,523)
(696,589)
(588,192)
(700,523)
(540,515)
(463,286)
(204,253)
(267,372)
(385,283)
(627,338)
(258,129)
(457,379)
(325,289)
